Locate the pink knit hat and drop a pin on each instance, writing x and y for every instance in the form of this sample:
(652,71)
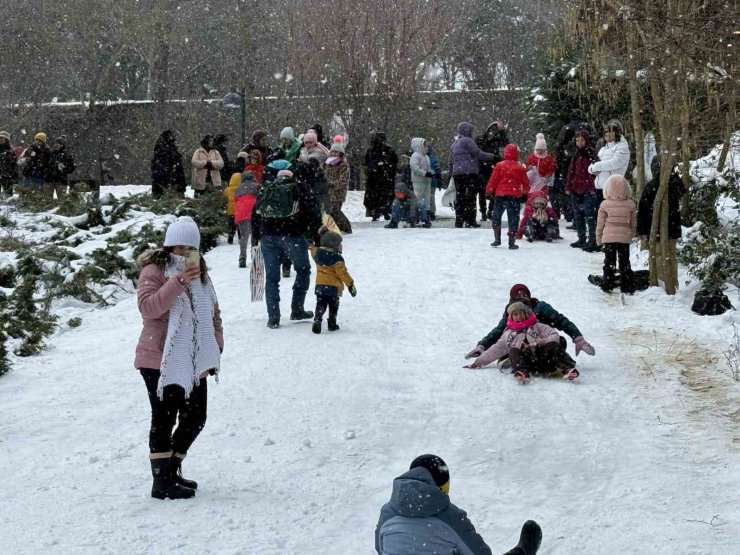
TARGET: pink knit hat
(310,137)
(540,143)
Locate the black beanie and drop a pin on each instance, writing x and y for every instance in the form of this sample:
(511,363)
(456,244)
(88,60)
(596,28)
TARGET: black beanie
(436,467)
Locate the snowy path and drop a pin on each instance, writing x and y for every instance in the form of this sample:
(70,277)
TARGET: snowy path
(305,433)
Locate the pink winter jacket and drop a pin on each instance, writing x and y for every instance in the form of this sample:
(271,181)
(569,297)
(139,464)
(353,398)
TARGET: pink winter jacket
(156,295)
(536,335)
(617,220)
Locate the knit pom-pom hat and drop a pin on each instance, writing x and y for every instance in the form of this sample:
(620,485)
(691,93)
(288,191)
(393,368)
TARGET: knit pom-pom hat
(310,137)
(540,144)
(337,147)
(183,231)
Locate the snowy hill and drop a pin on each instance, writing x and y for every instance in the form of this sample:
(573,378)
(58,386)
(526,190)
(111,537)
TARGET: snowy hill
(305,433)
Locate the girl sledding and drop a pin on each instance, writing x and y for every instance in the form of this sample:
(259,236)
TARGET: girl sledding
(533,347)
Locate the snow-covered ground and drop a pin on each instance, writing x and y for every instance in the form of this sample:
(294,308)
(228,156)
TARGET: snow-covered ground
(305,433)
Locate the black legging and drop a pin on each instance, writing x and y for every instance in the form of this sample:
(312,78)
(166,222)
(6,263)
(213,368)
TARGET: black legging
(544,359)
(190,414)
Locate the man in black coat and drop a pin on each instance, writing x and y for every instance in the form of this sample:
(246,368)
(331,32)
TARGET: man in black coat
(381,162)
(8,166)
(62,164)
(219,143)
(167,170)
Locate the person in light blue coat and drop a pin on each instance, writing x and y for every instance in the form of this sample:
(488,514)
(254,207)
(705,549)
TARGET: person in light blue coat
(420,519)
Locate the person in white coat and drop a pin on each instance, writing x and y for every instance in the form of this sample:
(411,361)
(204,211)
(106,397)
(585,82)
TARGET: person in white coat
(614,157)
(421,179)
(207,163)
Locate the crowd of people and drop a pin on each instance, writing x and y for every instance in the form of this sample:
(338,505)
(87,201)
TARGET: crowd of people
(287,199)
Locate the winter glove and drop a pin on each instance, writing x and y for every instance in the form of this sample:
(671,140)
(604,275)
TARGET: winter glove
(60,166)
(583,345)
(209,166)
(430,175)
(352,290)
(475,353)
(591,169)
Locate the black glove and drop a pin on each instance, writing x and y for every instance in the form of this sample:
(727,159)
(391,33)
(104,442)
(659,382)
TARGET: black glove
(430,175)
(209,166)
(352,290)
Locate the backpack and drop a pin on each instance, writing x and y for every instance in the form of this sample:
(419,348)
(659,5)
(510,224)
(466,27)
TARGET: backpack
(277,199)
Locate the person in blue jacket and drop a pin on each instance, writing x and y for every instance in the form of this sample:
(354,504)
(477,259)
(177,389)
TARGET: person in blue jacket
(421,519)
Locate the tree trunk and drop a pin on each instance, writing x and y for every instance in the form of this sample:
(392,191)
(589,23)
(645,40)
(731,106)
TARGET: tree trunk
(636,110)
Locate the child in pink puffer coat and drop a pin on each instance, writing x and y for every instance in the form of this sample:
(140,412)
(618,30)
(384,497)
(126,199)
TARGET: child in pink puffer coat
(532,347)
(616,226)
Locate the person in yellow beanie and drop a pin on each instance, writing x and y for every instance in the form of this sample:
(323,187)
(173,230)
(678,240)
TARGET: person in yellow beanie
(40,136)
(35,162)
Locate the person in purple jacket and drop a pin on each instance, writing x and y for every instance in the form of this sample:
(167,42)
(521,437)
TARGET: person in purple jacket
(465,159)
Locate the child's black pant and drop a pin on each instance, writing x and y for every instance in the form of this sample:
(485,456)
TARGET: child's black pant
(190,413)
(612,251)
(326,301)
(543,359)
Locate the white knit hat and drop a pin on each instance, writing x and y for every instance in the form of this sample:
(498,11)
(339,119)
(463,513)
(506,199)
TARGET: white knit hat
(183,231)
(287,133)
(540,143)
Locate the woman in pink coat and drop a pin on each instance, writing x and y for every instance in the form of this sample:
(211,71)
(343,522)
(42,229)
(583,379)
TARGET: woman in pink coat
(179,347)
(532,347)
(616,226)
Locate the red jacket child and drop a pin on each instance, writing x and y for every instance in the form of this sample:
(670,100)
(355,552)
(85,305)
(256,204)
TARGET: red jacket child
(256,165)
(509,178)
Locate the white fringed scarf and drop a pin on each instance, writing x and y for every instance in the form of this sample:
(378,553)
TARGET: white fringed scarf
(190,349)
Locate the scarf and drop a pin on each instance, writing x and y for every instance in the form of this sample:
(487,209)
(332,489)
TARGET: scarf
(190,348)
(523,325)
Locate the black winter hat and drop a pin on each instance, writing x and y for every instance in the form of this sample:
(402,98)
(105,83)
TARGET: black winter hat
(436,467)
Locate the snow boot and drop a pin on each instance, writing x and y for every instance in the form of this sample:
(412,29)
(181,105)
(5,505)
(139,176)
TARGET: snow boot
(391,225)
(164,485)
(230,239)
(581,243)
(176,467)
(301,315)
(242,262)
(522,376)
(512,242)
(571,374)
(331,324)
(273,323)
(496,236)
(427,224)
(316,328)
(529,540)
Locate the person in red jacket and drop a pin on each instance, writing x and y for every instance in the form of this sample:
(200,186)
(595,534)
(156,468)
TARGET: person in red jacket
(508,184)
(579,185)
(540,167)
(540,221)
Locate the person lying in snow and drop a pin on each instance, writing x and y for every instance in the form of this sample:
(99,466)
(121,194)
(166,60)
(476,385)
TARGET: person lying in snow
(533,348)
(540,222)
(545,314)
(420,518)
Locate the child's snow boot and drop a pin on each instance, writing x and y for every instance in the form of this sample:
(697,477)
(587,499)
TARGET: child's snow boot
(301,315)
(512,242)
(164,485)
(273,323)
(316,328)
(529,540)
(331,324)
(176,467)
(571,374)
(496,236)
(230,239)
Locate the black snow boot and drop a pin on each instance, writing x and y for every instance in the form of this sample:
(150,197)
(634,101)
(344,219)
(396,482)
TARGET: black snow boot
(316,328)
(331,324)
(496,236)
(164,485)
(391,225)
(529,540)
(301,315)
(242,262)
(512,242)
(273,323)
(176,467)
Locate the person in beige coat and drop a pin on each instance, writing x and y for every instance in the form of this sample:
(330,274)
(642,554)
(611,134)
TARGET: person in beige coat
(616,226)
(207,163)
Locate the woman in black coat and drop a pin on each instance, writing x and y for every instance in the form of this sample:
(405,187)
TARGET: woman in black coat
(676,190)
(381,162)
(167,169)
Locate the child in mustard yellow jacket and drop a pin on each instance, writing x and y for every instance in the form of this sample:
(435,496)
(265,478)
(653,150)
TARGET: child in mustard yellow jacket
(230,194)
(331,277)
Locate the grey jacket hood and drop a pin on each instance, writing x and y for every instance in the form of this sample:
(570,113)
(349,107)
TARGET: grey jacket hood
(415,495)
(465,129)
